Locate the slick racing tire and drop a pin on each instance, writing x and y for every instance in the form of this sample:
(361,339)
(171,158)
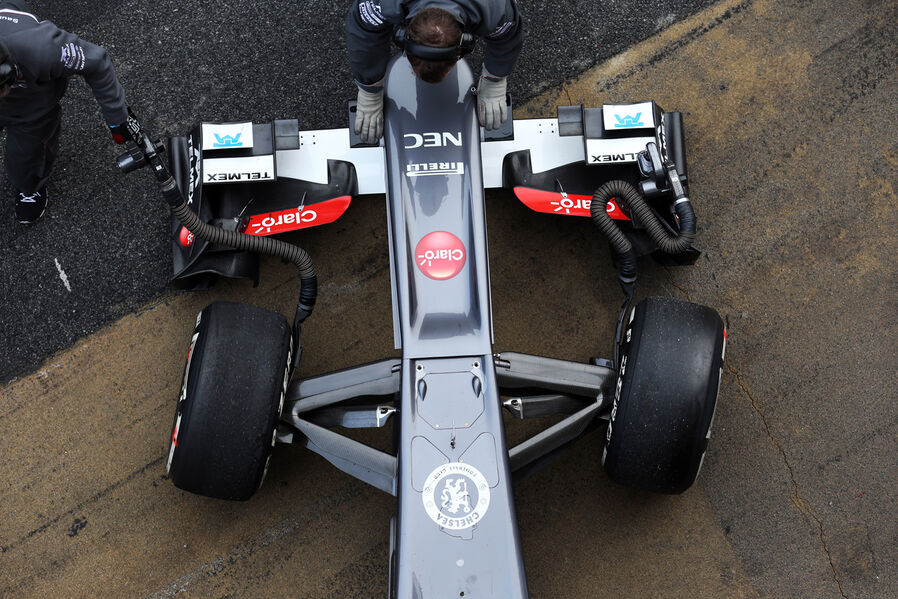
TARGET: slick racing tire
(666,394)
(231,398)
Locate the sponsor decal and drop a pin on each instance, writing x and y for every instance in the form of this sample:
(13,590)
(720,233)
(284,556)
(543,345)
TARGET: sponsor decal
(301,217)
(193,156)
(440,255)
(628,121)
(456,496)
(423,169)
(72,57)
(500,30)
(223,136)
(628,116)
(237,170)
(553,202)
(227,141)
(614,151)
(432,139)
(182,397)
(185,237)
(625,157)
(247,176)
(8,11)
(369,10)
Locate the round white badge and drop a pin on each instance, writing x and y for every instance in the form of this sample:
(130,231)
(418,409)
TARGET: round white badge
(456,496)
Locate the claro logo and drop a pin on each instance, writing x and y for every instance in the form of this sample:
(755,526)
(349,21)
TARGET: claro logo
(432,139)
(440,255)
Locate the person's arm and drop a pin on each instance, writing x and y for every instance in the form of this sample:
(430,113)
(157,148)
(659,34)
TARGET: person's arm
(368,42)
(53,53)
(19,5)
(504,42)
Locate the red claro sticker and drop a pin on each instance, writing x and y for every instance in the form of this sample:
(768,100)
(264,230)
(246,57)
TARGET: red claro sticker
(186,237)
(440,255)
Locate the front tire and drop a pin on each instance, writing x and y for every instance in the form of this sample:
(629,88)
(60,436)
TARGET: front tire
(666,395)
(231,397)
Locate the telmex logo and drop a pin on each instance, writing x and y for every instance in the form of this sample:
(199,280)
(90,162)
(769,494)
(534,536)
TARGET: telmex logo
(253,176)
(628,121)
(432,139)
(440,255)
(227,141)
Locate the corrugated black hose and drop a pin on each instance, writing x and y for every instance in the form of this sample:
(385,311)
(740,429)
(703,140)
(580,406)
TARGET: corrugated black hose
(669,244)
(308,286)
(623,249)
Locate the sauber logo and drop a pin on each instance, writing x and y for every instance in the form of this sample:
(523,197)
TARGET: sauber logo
(227,141)
(440,255)
(628,121)
(432,139)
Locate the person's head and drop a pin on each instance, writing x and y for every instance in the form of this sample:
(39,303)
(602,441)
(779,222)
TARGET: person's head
(438,28)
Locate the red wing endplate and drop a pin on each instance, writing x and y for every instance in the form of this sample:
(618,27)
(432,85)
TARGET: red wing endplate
(291,219)
(301,217)
(553,202)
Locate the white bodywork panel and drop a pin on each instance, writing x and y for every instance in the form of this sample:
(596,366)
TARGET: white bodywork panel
(309,163)
(547,148)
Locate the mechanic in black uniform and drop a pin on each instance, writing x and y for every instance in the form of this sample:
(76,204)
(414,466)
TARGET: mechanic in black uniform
(37,58)
(438,23)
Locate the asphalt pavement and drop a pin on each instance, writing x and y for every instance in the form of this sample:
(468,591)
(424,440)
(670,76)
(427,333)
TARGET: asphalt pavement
(789,114)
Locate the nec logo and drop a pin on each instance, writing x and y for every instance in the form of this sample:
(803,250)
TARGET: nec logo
(227,141)
(432,139)
(629,121)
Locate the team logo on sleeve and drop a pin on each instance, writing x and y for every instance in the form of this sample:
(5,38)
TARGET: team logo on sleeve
(370,12)
(72,57)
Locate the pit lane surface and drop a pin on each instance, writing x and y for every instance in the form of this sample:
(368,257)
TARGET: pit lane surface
(792,152)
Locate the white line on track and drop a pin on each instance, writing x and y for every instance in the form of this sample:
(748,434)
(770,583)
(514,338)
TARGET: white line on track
(62,275)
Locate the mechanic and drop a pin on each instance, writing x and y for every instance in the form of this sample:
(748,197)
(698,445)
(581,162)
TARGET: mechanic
(438,23)
(37,58)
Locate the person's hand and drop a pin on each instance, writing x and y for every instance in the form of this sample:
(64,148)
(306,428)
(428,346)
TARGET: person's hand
(369,113)
(128,131)
(491,107)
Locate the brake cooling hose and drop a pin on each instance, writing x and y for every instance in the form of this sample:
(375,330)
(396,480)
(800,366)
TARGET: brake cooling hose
(308,287)
(669,244)
(623,249)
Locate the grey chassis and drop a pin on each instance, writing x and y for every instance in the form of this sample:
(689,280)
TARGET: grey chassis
(448,382)
(455,533)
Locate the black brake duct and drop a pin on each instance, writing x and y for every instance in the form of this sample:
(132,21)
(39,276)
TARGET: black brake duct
(143,151)
(650,162)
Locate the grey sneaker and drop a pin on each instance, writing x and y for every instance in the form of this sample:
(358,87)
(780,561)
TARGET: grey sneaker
(30,207)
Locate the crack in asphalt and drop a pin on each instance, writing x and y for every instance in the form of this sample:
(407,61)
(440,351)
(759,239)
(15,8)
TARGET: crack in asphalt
(796,498)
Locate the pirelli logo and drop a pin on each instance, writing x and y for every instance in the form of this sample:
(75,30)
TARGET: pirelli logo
(422,169)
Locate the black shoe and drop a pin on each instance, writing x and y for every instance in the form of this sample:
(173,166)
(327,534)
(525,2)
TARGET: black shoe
(31,207)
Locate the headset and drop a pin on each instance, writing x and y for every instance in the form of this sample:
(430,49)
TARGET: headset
(433,53)
(9,73)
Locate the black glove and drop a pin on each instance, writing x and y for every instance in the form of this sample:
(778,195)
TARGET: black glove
(128,131)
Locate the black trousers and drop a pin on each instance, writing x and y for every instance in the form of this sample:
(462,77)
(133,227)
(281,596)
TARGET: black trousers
(31,150)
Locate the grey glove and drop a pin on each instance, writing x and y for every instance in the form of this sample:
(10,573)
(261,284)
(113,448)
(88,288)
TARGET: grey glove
(369,113)
(491,107)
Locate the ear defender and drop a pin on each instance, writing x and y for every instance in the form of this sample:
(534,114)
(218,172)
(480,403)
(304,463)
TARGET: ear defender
(424,52)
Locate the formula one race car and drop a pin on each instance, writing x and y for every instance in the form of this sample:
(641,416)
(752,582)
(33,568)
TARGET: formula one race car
(455,532)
